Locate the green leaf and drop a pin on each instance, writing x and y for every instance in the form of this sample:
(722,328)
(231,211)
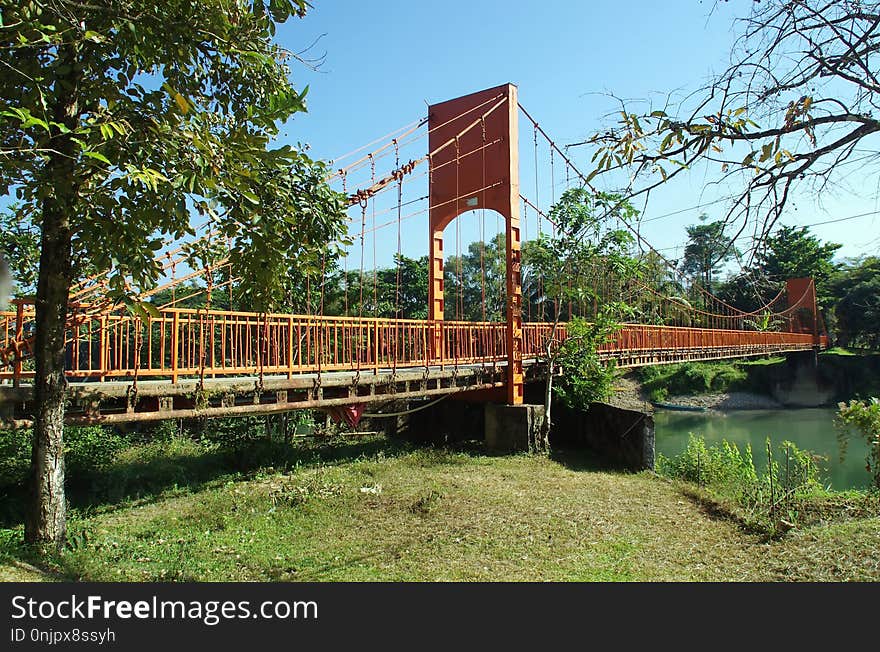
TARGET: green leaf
(152,310)
(182,103)
(118,127)
(251,197)
(97,156)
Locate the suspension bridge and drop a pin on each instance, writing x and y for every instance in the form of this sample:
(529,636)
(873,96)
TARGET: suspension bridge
(203,361)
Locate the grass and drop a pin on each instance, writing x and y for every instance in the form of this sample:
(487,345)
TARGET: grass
(838,350)
(384,510)
(769,361)
(849,352)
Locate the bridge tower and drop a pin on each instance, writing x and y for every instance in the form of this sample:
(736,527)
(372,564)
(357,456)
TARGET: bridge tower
(801,292)
(474,164)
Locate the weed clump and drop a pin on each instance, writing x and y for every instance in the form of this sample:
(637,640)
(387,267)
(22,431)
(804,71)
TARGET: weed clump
(426,503)
(770,501)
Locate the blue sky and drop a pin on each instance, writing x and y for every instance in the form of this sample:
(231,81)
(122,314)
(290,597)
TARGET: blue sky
(385,61)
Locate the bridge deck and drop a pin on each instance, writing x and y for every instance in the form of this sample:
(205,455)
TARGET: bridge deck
(128,400)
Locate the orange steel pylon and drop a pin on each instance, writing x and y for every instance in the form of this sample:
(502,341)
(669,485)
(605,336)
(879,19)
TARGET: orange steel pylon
(477,169)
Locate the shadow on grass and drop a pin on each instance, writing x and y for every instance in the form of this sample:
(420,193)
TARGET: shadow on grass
(586,460)
(144,473)
(720,510)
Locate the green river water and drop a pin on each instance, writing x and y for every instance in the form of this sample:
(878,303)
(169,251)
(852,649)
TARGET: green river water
(808,429)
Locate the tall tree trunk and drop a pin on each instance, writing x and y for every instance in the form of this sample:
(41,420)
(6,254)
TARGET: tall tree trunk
(45,522)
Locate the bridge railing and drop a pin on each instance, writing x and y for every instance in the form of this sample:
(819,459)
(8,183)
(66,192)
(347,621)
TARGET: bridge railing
(647,337)
(639,337)
(16,337)
(191,342)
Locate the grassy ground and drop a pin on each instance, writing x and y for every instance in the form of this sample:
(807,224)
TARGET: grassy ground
(380,510)
(839,350)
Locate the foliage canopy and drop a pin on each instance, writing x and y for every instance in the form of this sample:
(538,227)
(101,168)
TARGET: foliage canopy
(151,112)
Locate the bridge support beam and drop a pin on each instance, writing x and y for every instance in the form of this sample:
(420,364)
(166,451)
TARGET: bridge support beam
(514,428)
(474,164)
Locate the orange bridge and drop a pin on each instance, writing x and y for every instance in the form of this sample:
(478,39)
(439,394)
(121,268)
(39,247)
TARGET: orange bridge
(189,362)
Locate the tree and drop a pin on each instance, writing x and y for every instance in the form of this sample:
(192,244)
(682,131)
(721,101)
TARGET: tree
(563,262)
(476,283)
(5,283)
(856,289)
(659,284)
(707,248)
(119,119)
(793,252)
(796,108)
(746,290)
(408,280)
(399,292)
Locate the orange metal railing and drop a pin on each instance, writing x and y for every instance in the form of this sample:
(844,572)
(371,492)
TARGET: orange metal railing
(189,342)
(638,338)
(184,342)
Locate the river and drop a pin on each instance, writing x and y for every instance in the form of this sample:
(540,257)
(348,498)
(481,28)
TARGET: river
(808,429)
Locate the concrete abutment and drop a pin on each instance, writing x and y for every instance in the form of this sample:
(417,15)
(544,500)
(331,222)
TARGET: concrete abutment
(621,437)
(618,436)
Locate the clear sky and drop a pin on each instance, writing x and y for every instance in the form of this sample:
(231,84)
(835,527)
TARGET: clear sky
(386,60)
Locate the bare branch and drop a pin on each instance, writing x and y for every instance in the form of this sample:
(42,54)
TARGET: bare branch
(800,95)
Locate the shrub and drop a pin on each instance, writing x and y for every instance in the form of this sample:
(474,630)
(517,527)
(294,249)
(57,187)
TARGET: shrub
(87,450)
(723,467)
(91,449)
(586,378)
(691,378)
(15,457)
(699,377)
(727,377)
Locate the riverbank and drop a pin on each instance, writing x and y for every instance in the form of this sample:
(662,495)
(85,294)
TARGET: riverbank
(631,394)
(725,401)
(757,384)
(379,509)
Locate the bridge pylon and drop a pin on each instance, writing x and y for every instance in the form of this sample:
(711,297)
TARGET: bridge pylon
(802,301)
(474,164)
